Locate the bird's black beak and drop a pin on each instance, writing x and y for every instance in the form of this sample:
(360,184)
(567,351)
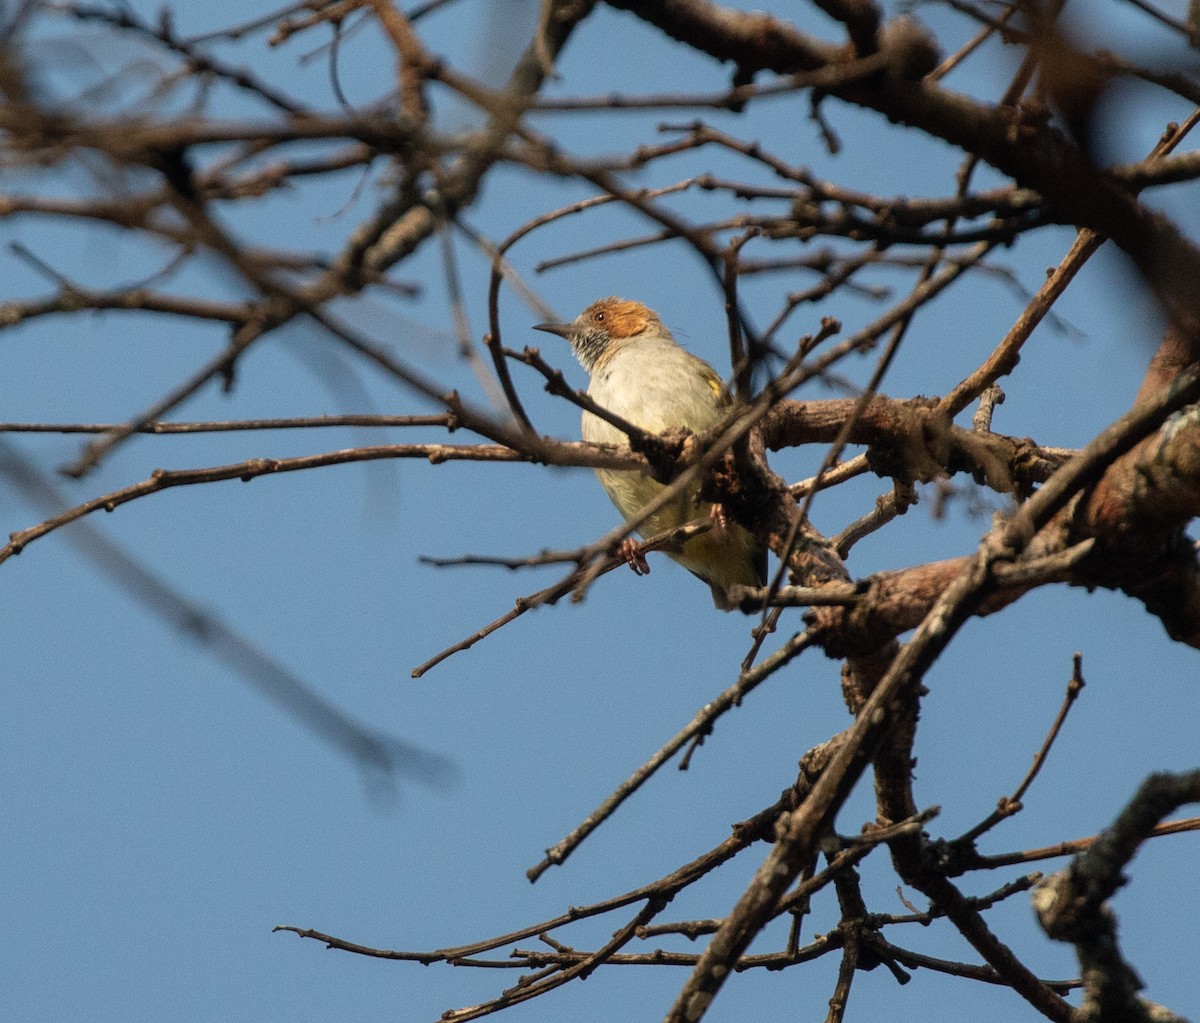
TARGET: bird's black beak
(563,330)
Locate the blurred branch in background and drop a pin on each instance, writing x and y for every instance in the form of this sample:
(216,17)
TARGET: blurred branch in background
(383,759)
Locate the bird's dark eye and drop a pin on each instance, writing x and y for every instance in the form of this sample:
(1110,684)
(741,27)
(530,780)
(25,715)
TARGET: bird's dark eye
(599,316)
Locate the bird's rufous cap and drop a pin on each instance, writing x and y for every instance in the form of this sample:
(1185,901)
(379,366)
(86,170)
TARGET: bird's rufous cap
(604,323)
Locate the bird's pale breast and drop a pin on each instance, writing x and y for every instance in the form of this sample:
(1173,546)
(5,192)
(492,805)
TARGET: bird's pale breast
(656,385)
(650,381)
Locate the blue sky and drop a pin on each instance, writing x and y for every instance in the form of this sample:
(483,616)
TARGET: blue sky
(161,816)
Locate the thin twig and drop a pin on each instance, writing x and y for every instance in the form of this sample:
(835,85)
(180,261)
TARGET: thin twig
(1009,805)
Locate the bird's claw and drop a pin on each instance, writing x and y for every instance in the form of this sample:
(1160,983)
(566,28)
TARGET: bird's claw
(630,550)
(720,520)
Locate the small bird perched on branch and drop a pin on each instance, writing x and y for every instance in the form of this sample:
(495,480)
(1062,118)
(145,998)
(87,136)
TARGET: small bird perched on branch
(640,373)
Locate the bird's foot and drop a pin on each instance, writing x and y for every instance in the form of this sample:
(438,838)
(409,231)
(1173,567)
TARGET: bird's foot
(633,556)
(720,521)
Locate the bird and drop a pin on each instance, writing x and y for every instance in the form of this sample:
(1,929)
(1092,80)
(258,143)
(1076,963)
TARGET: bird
(639,372)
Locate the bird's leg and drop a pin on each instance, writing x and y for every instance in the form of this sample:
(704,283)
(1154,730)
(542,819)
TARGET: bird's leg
(634,558)
(720,521)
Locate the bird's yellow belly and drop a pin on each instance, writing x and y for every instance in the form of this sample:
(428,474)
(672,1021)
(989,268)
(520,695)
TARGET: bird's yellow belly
(722,559)
(632,491)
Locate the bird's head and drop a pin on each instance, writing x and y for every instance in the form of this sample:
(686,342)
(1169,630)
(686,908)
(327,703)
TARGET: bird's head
(605,326)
